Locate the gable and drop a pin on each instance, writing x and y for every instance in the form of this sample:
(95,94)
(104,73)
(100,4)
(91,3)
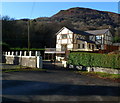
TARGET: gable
(64,30)
(69,30)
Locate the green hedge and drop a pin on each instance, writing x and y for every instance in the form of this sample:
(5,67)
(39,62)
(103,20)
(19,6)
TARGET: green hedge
(27,49)
(95,60)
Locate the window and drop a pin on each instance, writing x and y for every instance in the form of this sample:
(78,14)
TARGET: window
(98,37)
(98,46)
(63,47)
(83,45)
(78,46)
(89,46)
(64,36)
(92,46)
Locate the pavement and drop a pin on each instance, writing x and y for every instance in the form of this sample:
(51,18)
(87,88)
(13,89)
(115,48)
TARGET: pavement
(56,84)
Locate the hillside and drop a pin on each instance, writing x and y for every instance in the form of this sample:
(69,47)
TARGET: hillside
(43,29)
(85,18)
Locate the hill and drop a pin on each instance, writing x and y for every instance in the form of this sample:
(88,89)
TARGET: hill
(85,18)
(43,29)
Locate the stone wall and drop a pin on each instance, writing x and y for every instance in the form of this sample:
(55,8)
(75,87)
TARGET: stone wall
(9,59)
(29,61)
(105,70)
(95,69)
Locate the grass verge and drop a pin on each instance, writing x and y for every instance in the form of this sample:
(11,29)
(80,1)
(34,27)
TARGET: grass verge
(22,69)
(113,77)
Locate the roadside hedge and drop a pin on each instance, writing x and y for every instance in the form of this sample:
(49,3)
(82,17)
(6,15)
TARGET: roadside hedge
(95,60)
(32,49)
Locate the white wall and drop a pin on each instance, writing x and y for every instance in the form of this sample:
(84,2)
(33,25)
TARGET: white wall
(67,41)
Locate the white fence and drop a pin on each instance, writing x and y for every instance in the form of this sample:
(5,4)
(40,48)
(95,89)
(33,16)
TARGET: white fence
(24,58)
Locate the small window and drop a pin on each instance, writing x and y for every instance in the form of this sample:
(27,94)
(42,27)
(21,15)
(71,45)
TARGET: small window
(64,36)
(83,45)
(92,46)
(78,46)
(98,37)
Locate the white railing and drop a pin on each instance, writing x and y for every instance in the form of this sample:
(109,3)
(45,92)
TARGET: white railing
(25,58)
(22,53)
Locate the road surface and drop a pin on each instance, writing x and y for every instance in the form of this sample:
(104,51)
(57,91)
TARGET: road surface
(56,85)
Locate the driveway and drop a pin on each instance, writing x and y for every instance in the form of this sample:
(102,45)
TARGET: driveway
(56,85)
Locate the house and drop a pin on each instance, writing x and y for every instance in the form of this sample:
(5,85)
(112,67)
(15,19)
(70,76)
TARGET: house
(101,38)
(71,39)
(75,40)
(68,39)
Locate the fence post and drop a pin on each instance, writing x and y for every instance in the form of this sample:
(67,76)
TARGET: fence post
(36,53)
(12,53)
(16,53)
(20,53)
(8,53)
(39,62)
(25,53)
(5,53)
(30,53)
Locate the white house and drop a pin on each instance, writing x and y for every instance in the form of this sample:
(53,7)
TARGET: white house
(75,40)
(71,39)
(68,39)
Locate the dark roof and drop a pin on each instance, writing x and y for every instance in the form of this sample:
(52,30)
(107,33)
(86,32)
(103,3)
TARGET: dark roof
(95,32)
(79,32)
(87,33)
(88,41)
(75,31)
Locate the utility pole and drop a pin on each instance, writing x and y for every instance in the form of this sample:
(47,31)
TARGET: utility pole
(28,35)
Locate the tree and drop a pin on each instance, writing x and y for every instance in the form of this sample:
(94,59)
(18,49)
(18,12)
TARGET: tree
(116,39)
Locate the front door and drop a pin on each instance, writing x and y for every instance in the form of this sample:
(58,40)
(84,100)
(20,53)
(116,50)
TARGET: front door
(63,47)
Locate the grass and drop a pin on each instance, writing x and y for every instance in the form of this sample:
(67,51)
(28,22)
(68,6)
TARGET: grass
(20,68)
(101,75)
(17,70)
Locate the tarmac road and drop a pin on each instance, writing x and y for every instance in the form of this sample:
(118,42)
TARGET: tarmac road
(56,85)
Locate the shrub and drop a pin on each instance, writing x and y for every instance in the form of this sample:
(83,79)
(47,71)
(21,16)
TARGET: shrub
(33,49)
(95,60)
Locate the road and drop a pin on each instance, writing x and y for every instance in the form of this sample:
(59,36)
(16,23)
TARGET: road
(56,85)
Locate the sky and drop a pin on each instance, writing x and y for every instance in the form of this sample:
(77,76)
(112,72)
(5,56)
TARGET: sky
(32,10)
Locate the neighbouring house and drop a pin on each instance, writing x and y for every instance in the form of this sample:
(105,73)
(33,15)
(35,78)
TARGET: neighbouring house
(68,39)
(101,38)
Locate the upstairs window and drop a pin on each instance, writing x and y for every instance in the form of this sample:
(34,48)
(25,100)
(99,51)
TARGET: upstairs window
(98,37)
(64,36)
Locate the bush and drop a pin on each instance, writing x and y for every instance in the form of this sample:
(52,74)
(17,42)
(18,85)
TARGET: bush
(32,49)
(95,60)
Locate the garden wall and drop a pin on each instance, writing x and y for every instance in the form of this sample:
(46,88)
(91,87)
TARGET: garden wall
(29,61)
